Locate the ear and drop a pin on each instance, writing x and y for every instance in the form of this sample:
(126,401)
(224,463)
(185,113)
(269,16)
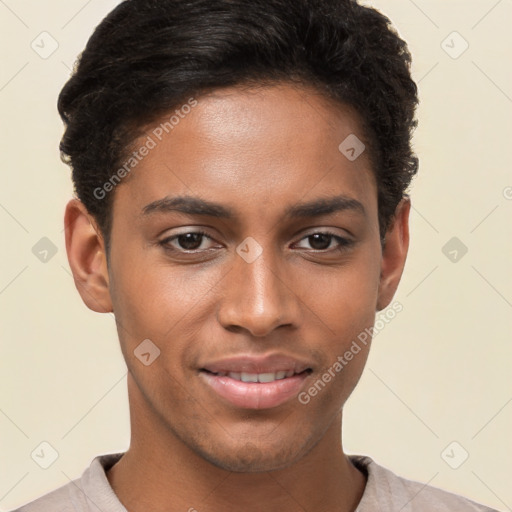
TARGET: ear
(87,257)
(394,254)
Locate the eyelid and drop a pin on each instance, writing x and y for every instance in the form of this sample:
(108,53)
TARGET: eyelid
(166,241)
(343,241)
(187,231)
(335,232)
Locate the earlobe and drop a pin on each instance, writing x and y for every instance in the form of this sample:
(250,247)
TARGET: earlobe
(394,254)
(85,248)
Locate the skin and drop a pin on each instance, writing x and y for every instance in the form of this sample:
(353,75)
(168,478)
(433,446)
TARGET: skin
(257,152)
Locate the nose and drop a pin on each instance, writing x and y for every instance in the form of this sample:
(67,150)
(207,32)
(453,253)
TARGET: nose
(258,298)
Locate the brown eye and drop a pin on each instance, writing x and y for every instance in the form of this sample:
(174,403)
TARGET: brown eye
(320,241)
(324,241)
(190,241)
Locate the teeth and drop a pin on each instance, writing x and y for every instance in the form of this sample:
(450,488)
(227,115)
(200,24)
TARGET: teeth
(266,377)
(249,377)
(260,377)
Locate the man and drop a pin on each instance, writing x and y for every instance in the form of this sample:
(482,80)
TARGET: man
(241,169)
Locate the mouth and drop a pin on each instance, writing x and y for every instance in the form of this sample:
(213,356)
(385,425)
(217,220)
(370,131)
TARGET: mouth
(257,377)
(250,390)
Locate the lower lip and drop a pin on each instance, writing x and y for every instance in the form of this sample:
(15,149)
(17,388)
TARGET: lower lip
(255,395)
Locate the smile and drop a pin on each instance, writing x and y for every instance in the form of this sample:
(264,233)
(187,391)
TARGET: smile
(257,377)
(255,390)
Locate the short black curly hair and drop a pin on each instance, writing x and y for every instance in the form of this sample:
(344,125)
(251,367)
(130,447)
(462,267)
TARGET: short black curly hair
(149,56)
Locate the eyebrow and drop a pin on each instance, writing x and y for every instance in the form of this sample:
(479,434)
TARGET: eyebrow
(196,206)
(189,205)
(327,206)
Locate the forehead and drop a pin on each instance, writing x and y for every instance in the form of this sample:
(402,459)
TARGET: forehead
(265,145)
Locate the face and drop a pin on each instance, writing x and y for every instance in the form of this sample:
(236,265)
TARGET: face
(246,247)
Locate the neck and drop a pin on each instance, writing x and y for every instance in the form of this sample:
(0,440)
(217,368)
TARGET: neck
(161,473)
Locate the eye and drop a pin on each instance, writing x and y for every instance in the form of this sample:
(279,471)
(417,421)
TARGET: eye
(188,242)
(324,241)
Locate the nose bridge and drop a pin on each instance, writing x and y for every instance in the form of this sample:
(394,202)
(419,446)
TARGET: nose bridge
(256,297)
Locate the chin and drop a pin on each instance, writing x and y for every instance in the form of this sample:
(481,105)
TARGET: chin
(249,458)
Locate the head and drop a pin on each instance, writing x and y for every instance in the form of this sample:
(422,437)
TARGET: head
(241,169)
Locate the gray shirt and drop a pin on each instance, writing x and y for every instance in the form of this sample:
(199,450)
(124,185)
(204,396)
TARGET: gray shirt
(384,492)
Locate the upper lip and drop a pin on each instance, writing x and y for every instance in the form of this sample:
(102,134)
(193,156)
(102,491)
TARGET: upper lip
(257,364)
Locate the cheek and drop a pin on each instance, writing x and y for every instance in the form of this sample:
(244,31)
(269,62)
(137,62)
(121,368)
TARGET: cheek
(346,309)
(346,298)
(155,298)
(154,302)
(164,304)
(330,387)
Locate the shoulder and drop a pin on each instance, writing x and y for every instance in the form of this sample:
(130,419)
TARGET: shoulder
(388,492)
(62,499)
(90,492)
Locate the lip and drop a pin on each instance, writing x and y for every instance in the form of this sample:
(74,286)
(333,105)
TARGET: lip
(257,364)
(255,395)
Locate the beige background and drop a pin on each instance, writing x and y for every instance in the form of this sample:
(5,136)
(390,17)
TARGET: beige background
(438,373)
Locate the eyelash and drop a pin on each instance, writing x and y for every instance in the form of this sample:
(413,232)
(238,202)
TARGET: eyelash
(343,243)
(165,243)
